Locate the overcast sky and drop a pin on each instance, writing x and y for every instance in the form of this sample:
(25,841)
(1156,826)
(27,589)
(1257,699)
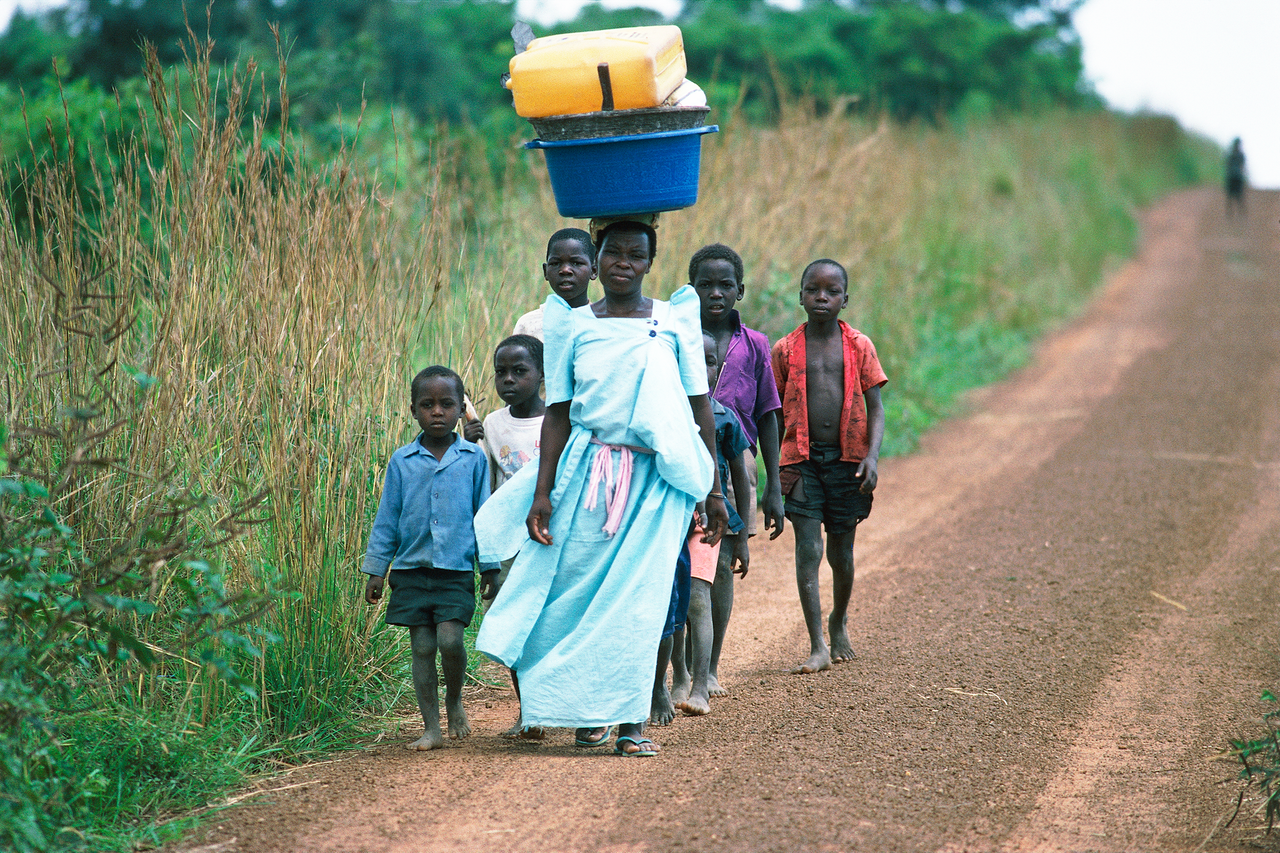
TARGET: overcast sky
(1211,63)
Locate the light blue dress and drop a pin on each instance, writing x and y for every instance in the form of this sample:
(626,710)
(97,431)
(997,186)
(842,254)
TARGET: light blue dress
(580,620)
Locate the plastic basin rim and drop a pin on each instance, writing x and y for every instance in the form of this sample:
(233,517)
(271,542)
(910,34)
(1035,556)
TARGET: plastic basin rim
(635,137)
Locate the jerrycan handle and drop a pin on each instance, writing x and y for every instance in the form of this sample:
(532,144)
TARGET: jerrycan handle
(606,87)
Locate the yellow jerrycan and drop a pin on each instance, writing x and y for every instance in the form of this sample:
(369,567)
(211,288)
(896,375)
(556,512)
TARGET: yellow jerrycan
(560,75)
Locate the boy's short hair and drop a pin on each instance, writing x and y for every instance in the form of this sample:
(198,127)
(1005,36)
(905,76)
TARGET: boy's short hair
(629,226)
(826,262)
(529,343)
(432,372)
(574,234)
(716,252)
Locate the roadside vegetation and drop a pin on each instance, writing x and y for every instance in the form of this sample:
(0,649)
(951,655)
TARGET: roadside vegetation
(1259,760)
(210,319)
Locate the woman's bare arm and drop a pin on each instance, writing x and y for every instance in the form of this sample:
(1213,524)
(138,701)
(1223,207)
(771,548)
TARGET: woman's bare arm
(555,435)
(717,514)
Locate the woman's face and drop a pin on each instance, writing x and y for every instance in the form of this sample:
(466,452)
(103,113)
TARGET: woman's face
(622,262)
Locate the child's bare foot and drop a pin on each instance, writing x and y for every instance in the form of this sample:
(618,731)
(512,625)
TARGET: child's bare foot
(817,662)
(679,689)
(513,732)
(714,690)
(429,740)
(841,648)
(660,711)
(695,705)
(459,727)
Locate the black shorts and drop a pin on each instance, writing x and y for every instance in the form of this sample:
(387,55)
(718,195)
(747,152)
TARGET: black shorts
(824,487)
(429,596)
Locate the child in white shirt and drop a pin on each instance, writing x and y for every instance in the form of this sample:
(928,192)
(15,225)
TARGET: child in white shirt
(511,440)
(511,433)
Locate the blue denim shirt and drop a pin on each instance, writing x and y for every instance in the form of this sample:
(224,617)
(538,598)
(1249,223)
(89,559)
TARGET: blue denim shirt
(731,441)
(427,510)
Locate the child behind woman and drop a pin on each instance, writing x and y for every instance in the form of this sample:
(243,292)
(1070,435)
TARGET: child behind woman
(568,269)
(626,452)
(423,545)
(731,443)
(511,440)
(746,387)
(511,433)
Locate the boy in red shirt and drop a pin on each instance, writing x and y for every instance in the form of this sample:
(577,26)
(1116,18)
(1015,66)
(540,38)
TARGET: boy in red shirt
(829,378)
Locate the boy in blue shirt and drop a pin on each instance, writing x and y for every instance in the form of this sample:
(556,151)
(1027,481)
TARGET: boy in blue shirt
(424,537)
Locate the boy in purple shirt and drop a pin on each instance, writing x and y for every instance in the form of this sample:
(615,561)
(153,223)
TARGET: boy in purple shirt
(746,386)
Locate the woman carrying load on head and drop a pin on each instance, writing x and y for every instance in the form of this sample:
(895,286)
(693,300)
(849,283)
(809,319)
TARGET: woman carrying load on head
(626,452)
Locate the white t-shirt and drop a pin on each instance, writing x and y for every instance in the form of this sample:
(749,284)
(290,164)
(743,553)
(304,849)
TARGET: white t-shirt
(530,324)
(510,443)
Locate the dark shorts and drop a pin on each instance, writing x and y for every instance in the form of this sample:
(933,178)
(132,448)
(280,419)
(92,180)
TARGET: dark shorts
(430,596)
(825,488)
(678,611)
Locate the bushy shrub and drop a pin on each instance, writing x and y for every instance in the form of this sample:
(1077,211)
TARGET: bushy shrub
(80,616)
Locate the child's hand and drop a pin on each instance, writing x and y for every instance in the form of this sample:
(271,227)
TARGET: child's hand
(373,589)
(473,431)
(774,513)
(717,520)
(538,521)
(490,584)
(741,554)
(867,473)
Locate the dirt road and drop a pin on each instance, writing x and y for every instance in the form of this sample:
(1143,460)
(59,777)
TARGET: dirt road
(1065,603)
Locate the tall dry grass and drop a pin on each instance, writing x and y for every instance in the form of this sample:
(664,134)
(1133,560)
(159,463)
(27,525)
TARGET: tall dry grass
(963,244)
(283,308)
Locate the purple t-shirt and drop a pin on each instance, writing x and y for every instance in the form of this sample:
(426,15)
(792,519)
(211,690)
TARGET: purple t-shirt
(746,383)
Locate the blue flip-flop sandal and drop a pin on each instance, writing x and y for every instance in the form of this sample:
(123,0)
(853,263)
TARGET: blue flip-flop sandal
(647,748)
(588,743)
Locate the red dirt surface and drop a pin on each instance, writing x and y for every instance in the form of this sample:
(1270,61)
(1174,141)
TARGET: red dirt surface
(1066,602)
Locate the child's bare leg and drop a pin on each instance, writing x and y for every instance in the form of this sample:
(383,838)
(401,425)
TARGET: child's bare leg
(808,533)
(514,731)
(840,558)
(660,710)
(453,660)
(698,701)
(519,730)
(721,610)
(679,668)
(422,642)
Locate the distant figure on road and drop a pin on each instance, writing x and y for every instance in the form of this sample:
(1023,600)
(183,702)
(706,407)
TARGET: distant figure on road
(1235,179)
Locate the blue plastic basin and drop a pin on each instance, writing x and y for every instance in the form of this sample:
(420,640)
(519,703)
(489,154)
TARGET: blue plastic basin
(617,175)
